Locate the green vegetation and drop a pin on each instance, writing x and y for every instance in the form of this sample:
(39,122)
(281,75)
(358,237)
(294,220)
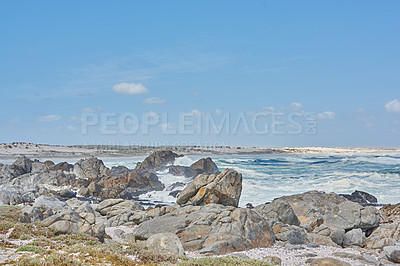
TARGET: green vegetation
(30,248)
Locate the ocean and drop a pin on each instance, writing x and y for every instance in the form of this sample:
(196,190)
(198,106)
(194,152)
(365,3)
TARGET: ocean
(266,177)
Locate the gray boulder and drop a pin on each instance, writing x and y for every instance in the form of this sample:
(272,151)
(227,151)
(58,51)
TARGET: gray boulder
(387,234)
(314,208)
(360,197)
(91,168)
(332,231)
(205,166)
(291,234)
(211,229)
(224,188)
(278,211)
(354,237)
(167,243)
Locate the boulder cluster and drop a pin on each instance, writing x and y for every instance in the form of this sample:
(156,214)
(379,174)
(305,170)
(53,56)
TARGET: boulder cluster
(88,197)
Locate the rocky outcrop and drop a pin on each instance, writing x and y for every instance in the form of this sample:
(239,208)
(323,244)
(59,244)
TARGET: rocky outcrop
(156,161)
(385,235)
(211,229)
(91,168)
(314,208)
(202,166)
(390,213)
(224,188)
(361,197)
(69,217)
(392,253)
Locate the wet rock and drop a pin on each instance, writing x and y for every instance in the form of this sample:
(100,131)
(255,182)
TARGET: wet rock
(205,166)
(360,197)
(224,189)
(156,161)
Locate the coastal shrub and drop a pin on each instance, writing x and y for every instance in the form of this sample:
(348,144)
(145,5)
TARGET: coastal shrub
(30,229)
(10,213)
(223,261)
(25,237)
(53,258)
(6,244)
(73,239)
(5,226)
(30,248)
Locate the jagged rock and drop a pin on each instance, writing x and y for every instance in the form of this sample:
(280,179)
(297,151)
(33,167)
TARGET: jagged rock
(63,166)
(14,195)
(273,260)
(38,167)
(205,166)
(360,197)
(143,181)
(112,207)
(167,243)
(390,213)
(354,237)
(24,164)
(120,170)
(91,168)
(278,211)
(316,239)
(157,161)
(314,208)
(392,253)
(385,235)
(224,189)
(211,229)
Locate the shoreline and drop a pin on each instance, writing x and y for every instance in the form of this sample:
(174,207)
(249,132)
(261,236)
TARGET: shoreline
(10,151)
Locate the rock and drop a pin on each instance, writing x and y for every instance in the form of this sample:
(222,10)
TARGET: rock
(24,164)
(112,207)
(50,202)
(332,231)
(314,208)
(347,255)
(354,237)
(292,234)
(66,193)
(66,222)
(211,229)
(141,181)
(321,240)
(278,211)
(179,170)
(327,262)
(205,166)
(157,161)
(360,197)
(63,166)
(392,253)
(38,167)
(274,260)
(224,189)
(385,235)
(167,243)
(14,195)
(91,168)
(390,213)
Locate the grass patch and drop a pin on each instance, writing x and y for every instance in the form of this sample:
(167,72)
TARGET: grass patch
(30,229)
(10,213)
(53,258)
(30,248)
(5,225)
(25,237)
(6,244)
(223,261)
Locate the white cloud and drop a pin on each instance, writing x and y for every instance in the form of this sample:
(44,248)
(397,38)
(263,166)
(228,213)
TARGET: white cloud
(153,100)
(87,110)
(195,94)
(71,128)
(130,88)
(393,107)
(49,118)
(327,115)
(296,106)
(365,117)
(218,111)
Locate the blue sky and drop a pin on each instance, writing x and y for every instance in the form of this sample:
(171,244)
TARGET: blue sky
(181,62)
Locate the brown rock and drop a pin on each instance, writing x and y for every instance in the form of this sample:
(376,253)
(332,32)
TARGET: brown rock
(327,262)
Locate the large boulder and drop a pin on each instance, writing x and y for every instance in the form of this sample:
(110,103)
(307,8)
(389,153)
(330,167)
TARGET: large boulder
(205,166)
(392,253)
(91,168)
(224,189)
(167,243)
(354,237)
(387,234)
(24,164)
(278,211)
(314,208)
(21,166)
(211,229)
(156,161)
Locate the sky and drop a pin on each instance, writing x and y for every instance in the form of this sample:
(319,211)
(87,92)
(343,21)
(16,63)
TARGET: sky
(230,73)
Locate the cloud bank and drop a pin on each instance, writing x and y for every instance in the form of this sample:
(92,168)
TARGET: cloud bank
(130,88)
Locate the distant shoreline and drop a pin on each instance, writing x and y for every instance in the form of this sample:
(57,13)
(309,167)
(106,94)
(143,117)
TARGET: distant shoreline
(10,151)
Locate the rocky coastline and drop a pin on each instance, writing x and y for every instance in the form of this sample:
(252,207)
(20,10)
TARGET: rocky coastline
(311,228)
